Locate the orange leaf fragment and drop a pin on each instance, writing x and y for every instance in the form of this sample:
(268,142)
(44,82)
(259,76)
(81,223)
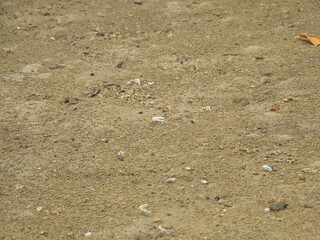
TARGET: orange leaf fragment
(315,40)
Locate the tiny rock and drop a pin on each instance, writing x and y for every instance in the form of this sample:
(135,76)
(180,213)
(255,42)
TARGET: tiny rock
(95,92)
(170,180)
(143,209)
(204,181)
(39,209)
(158,119)
(120,155)
(134,81)
(163,230)
(205,109)
(268,168)
(288,99)
(88,234)
(278,206)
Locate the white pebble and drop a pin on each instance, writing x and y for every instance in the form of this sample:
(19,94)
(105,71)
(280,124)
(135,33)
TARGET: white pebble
(267,209)
(204,181)
(39,209)
(157,119)
(136,81)
(163,230)
(205,109)
(170,180)
(143,209)
(120,155)
(187,168)
(268,168)
(88,234)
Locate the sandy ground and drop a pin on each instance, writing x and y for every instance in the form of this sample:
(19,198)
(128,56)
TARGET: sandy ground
(67,110)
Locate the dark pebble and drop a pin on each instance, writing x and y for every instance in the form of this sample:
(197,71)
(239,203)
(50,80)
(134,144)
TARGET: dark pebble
(278,206)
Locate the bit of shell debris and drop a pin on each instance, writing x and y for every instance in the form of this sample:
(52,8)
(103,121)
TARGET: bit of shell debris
(205,109)
(163,230)
(39,209)
(120,155)
(268,168)
(158,119)
(88,234)
(267,209)
(143,209)
(170,180)
(204,181)
(134,81)
(187,168)
(95,92)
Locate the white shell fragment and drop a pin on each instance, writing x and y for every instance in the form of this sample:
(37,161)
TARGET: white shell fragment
(157,119)
(187,168)
(39,209)
(170,180)
(268,168)
(163,230)
(204,181)
(267,209)
(205,109)
(88,234)
(143,209)
(134,81)
(120,155)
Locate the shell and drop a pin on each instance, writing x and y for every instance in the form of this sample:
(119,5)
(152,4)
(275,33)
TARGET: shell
(268,168)
(134,81)
(205,109)
(158,119)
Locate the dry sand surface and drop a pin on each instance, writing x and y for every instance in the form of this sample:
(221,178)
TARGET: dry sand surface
(235,88)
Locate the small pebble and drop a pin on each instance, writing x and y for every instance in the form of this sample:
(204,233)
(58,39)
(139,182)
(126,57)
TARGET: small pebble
(288,99)
(170,180)
(88,234)
(268,168)
(163,230)
(44,233)
(158,119)
(134,81)
(204,181)
(95,92)
(187,168)
(302,177)
(278,206)
(264,80)
(205,109)
(120,155)
(267,209)
(39,209)
(143,209)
